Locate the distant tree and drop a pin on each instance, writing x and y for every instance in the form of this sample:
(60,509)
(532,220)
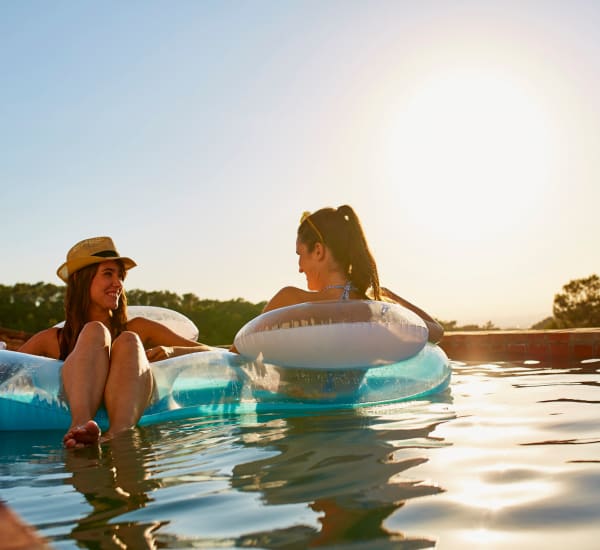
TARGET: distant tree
(545,324)
(33,307)
(579,303)
(158,298)
(447,325)
(218,322)
(452,326)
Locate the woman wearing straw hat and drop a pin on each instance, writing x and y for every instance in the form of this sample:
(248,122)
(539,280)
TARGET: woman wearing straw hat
(106,356)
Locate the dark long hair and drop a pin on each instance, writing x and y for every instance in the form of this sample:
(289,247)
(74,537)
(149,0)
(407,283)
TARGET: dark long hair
(341,231)
(77,303)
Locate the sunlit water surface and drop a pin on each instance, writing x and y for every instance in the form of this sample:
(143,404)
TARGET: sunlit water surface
(507,457)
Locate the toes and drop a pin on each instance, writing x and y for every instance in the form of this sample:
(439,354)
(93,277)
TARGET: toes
(81,436)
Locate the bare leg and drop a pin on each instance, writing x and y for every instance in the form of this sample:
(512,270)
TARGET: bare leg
(16,534)
(130,382)
(84,376)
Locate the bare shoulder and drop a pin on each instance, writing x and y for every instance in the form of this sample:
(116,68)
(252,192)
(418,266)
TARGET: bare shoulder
(289,296)
(44,343)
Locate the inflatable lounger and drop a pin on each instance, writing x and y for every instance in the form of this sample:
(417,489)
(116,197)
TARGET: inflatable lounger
(220,382)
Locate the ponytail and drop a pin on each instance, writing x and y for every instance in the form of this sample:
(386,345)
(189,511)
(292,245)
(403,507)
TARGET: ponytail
(362,267)
(340,230)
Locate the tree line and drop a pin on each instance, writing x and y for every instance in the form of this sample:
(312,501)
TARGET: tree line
(34,307)
(577,306)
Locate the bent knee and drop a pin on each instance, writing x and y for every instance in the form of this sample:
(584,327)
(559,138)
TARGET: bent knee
(127,339)
(95,331)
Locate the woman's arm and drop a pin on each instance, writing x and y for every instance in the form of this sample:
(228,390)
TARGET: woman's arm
(436,331)
(288,296)
(160,342)
(44,343)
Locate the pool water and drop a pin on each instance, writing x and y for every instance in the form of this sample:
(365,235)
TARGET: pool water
(507,457)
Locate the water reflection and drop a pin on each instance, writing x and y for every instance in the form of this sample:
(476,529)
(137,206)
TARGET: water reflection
(350,469)
(114,480)
(516,444)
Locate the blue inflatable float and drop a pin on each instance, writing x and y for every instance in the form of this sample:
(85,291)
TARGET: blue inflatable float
(219,382)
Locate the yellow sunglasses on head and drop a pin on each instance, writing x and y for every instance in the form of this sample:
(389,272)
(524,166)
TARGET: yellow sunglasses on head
(306,218)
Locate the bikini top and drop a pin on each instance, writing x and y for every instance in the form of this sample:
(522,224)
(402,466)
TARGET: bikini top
(348,288)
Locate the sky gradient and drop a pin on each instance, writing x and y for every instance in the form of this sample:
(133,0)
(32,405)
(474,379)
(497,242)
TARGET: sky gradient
(464,133)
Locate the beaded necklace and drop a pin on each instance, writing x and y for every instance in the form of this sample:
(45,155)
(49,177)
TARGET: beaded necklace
(348,287)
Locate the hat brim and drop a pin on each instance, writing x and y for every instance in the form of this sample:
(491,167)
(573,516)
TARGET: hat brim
(70,267)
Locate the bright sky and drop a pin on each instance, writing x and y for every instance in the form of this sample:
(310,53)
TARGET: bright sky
(464,133)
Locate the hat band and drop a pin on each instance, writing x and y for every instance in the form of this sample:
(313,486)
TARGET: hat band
(106,254)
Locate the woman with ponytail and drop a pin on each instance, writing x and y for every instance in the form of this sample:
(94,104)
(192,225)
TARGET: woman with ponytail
(334,256)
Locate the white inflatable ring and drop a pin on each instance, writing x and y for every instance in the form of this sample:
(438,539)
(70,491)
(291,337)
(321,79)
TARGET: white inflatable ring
(176,321)
(329,334)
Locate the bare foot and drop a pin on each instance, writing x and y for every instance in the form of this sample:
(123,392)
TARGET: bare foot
(82,436)
(111,434)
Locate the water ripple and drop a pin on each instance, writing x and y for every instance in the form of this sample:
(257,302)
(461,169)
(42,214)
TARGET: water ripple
(507,457)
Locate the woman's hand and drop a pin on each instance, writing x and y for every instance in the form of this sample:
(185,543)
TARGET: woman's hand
(158,353)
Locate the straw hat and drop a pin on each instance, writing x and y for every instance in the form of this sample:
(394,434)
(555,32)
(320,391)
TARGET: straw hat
(89,252)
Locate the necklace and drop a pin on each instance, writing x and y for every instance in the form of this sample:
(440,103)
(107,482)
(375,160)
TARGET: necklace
(333,286)
(347,286)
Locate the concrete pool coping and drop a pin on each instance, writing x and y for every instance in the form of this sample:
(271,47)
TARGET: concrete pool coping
(575,344)
(538,345)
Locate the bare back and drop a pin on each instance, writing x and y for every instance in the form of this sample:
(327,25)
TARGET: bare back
(291,295)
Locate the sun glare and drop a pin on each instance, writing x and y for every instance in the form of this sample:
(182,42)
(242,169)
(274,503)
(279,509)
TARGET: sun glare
(474,147)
